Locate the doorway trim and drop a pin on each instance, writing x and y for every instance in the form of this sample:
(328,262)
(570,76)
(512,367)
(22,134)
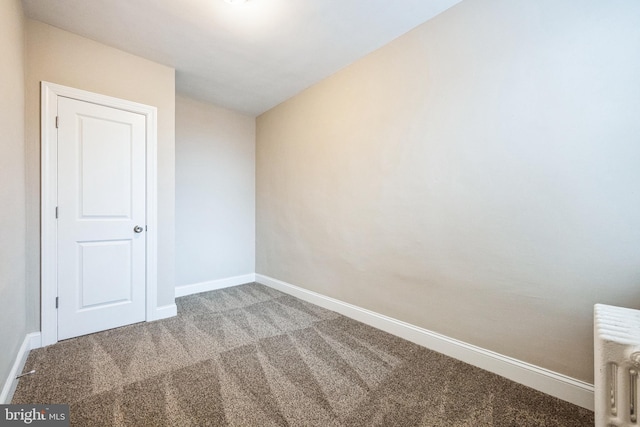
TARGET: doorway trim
(48,201)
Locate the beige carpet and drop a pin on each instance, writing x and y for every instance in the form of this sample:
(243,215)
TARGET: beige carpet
(252,356)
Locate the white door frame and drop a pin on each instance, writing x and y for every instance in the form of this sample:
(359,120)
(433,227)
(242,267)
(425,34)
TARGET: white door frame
(49,173)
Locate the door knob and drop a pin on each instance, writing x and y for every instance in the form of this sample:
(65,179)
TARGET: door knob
(138,229)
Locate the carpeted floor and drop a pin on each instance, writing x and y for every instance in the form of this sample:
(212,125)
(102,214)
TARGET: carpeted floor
(252,356)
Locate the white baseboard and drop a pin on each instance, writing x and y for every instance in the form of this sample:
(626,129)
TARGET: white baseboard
(31,341)
(212,285)
(164,311)
(561,386)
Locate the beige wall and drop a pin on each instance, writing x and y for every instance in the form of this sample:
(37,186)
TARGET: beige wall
(12,185)
(60,57)
(477,177)
(215,193)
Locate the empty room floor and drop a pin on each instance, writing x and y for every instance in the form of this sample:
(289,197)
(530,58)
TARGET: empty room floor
(253,356)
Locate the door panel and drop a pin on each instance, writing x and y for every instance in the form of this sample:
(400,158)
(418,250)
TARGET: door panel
(101,198)
(100,284)
(106,152)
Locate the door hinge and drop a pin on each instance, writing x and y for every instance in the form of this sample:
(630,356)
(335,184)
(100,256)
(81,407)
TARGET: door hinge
(57,118)
(56,302)
(56,212)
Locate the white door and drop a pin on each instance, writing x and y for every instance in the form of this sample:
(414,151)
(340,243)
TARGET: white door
(101,217)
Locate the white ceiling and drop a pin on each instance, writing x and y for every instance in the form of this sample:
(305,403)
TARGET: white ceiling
(247,57)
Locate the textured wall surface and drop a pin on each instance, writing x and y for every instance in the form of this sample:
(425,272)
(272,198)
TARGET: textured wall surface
(477,177)
(215,193)
(12,186)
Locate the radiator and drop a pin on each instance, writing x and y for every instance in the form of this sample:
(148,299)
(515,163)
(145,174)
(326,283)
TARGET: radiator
(616,365)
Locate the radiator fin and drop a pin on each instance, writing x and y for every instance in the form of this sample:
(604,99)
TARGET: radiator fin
(617,365)
(612,386)
(633,380)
